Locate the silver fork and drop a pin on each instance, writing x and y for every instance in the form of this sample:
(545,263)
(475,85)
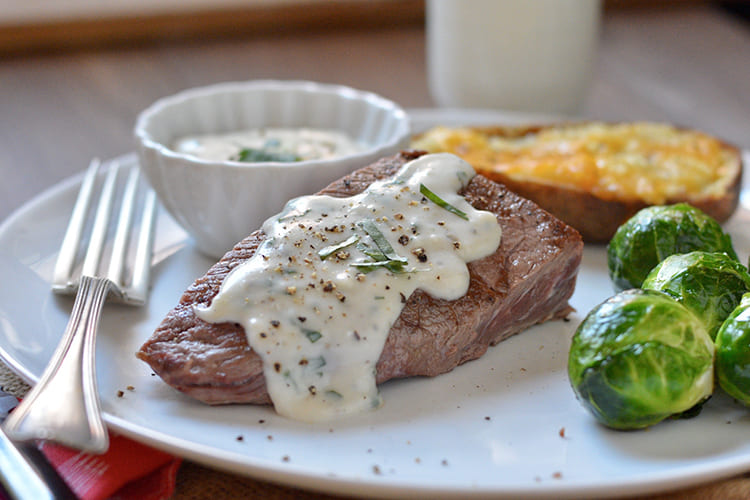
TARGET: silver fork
(64,405)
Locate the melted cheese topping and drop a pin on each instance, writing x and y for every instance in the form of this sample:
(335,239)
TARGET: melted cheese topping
(652,162)
(320,295)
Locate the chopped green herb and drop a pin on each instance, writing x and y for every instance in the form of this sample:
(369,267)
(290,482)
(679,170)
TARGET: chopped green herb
(250,155)
(330,250)
(290,380)
(373,232)
(312,335)
(441,202)
(315,363)
(395,266)
(334,394)
(383,256)
(373,253)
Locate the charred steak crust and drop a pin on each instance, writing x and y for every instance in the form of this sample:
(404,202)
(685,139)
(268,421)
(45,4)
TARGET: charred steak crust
(527,281)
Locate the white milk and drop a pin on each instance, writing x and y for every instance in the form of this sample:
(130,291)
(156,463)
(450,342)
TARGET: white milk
(524,55)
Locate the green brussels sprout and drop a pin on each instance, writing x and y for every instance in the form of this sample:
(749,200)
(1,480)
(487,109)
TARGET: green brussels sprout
(709,284)
(640,357)
(655,233)
(733,353)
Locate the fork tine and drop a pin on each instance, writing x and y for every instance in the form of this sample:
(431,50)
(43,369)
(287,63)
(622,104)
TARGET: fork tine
(119,246)
(63,275)
(99,231)
(138,290)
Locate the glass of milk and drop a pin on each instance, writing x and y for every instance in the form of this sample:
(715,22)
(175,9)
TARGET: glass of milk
(521,55)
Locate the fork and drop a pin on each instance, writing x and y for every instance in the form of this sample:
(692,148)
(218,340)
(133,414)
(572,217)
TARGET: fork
(64,405)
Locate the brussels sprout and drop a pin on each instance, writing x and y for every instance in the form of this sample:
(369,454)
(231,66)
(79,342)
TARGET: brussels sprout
(655,233)
(709,284)
(640,357)
(733,353)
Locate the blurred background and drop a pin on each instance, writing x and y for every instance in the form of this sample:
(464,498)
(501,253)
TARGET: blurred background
(49,25)
(75,74)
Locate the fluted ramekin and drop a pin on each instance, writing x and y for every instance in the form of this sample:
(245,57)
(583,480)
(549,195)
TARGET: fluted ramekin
(220,202)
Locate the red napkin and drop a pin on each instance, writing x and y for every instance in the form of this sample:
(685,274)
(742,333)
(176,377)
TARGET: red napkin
(128,470)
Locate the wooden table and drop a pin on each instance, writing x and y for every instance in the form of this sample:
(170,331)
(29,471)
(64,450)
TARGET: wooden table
(688,65)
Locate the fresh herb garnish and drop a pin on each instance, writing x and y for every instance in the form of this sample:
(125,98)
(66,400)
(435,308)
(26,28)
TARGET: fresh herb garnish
(316,363)
(377,237)
(334,394)
(383,256)
(441,202)
(394,266)
(312,335)
(330,250)
(290,380)
(373,253)
(260,155)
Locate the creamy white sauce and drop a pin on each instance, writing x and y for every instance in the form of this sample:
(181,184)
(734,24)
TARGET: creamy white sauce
(291,144)
(316,316)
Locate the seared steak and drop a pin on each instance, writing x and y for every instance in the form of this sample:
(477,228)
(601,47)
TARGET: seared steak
(528,280)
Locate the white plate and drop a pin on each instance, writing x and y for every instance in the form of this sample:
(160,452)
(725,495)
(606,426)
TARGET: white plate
(504,426)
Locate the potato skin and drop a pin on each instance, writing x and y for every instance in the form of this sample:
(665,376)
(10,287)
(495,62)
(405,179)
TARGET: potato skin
(594,217)
(598,219)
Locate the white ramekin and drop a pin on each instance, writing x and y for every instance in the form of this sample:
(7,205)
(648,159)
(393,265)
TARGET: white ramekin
(220,202)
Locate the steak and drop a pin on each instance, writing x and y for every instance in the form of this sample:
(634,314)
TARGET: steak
(528,280)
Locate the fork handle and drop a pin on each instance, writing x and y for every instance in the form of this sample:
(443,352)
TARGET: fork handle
(64,405)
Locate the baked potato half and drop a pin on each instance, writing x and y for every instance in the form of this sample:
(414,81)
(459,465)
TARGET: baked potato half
(595,176)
